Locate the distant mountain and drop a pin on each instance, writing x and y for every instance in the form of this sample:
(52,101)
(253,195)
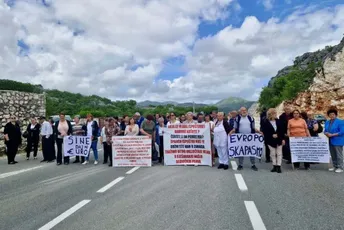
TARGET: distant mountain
(226,105)
(233,103)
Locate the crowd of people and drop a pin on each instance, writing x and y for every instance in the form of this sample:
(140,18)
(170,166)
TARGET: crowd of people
(276,131)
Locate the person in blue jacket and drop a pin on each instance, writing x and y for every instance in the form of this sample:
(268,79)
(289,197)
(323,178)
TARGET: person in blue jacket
(334,130)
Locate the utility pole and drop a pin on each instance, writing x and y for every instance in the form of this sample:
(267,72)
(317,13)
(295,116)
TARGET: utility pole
(193,106)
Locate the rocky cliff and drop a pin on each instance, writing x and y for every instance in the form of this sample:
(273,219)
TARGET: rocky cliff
(21,104)
(327,89)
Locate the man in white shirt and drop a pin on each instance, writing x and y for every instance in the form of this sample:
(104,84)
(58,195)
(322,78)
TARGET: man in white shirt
(244,124)
(47,141)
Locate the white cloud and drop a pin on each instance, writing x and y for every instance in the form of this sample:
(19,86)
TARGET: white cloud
(123,45)
(268,4)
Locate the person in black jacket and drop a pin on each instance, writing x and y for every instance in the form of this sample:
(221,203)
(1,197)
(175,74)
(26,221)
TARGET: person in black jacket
(62,128)
(221,132)
(284,119)
(274,138)
(33,131)
(13,139)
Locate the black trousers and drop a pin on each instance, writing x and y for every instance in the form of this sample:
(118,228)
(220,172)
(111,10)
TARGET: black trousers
(267,153)
(107,149)
(161,149)
(32,143)
(77,159)
(297,165)
(48,148)
(59,143)
(12,150)
(286,150)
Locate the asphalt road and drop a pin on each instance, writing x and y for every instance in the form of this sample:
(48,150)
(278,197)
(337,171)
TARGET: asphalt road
(74,197)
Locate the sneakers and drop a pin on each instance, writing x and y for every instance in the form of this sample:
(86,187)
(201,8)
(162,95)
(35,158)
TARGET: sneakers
(331,169)
(95,162)
(339,170)
(85,163)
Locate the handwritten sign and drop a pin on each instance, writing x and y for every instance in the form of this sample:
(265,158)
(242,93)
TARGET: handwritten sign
(245,145)
(309,149)
(187,144)
(76,146)
(131,151)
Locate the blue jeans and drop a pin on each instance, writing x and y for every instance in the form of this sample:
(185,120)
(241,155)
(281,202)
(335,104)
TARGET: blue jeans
(94,149)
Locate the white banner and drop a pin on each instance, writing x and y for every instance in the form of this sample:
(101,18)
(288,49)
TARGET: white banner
(131,151)
(309,149)
(76,146)
(187,144)
(245,145)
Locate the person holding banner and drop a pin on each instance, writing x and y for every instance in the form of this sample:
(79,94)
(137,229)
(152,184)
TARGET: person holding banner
(173,120)
(245,124)
(207,120)
(62,128)
(221,132)
(334,130)
(92,129)
(132,129)
(78,130)
(159,139)
(274,138)
(189,119)
(297,127)
(148,128)
(111,130)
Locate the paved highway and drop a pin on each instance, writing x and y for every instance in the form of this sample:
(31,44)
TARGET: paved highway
(43,196)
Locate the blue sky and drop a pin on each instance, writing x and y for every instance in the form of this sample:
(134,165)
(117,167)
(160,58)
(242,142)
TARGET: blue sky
(162,49)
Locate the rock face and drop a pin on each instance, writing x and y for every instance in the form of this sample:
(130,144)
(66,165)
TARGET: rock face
(21,104)
(327,89)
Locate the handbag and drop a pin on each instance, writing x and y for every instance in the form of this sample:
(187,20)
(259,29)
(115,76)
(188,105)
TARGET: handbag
(26,134)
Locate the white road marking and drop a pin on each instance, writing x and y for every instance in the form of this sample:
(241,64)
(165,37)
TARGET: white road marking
(64,215)
(100,149)
(108,186)
(132,170)
(256,220)
(234,165)
(4,175)
(241,183)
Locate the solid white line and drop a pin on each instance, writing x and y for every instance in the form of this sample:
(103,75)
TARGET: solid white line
(100,149)
(108,186)
(132,170)
(256,220)
(241,183)
(4,175)
(234,165)
(64,215)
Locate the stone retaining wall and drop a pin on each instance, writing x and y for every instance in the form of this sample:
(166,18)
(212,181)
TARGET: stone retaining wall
(21,104)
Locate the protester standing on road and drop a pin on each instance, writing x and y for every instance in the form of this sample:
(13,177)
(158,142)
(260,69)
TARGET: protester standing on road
(245,124)
(32,132)
(221,131)
(103,141)
(78,130)
(189,119)
(13,139)
(207,120)
(297,127)
(124,124)
(62,128)
(334,130)
(92,129)
(111,130)
(48,148)
(312,125)
(132,129)
(159,139)
(263,117)
(284,118)
(274,138)
(148,128)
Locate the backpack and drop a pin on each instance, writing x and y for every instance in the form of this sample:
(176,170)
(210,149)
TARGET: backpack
(237,120)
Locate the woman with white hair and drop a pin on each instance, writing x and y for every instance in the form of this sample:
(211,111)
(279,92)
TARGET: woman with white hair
(159,139)
(221,132)
(189,118)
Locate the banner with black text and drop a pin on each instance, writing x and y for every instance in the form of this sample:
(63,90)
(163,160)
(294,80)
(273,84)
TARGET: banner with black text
(309,149)
(245,145)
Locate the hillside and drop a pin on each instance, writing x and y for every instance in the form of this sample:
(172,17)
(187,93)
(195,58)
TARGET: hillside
(78,104)
(313,82)
(233,103)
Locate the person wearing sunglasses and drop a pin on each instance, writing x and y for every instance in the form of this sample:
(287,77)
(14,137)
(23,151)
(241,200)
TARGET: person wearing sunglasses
(13,139)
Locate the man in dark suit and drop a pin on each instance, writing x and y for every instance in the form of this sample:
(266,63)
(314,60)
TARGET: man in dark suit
(284,119)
